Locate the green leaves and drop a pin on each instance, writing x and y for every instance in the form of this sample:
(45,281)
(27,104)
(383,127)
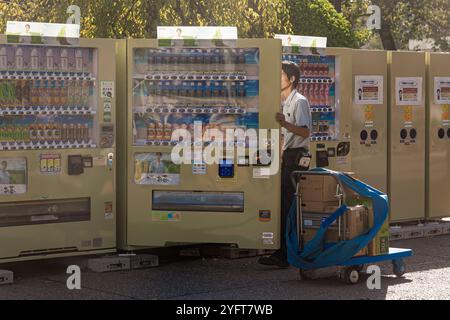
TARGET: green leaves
(404,20)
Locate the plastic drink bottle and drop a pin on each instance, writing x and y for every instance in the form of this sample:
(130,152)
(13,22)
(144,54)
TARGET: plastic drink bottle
(79,60)
(34,59)
(49,59)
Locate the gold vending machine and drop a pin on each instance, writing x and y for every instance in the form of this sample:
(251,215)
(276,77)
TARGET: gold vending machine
(178,87)
(369,124)
(57,188)
(406,151)
(325,80)
(438,134)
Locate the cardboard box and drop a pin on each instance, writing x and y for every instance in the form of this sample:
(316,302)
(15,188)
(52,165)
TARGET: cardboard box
(330,236)
(354,223)
(318,188)
(319,206)
(357,222)
(380,244)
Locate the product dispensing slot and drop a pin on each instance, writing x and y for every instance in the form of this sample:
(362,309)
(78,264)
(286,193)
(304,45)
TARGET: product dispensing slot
(198,201)
(44,212)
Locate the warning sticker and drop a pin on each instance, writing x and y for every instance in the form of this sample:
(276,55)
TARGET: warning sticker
(408,91)
(369,89)
(107,89)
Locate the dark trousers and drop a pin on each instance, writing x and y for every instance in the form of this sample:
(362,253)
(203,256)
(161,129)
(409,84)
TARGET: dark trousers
(291,158)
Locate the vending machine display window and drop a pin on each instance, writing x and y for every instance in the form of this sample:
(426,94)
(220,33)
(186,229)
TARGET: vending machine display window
(175,87)
(318,85)
(48,97)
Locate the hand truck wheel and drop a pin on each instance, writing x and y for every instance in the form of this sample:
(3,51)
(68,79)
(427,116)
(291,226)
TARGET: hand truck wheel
(304,274)
(350,275)
(399,267)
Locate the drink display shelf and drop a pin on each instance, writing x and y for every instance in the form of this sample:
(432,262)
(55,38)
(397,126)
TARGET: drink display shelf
(46,75)
(38,145)
(316,79)
(192,109)
(46,110)
(193,76)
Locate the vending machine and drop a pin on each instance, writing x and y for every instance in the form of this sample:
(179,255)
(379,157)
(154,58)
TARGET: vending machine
(438,134)
(406,152)
(219,87)
(369,117)
(325,80)
(57,116)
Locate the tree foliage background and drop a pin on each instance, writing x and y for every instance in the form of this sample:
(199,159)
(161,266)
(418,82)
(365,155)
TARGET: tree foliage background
(342,21)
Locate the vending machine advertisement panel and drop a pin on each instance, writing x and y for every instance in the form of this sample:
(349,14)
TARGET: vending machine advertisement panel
(369,124)
(406,153)
(438,132)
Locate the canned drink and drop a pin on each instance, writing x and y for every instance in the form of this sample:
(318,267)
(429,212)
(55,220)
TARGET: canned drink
(49,132)
(86,133)
(56,132)
(79,133)
(41,132)
(33,133)
(64,133)
(151,132)
(167,131)
(71,134)
(159,131)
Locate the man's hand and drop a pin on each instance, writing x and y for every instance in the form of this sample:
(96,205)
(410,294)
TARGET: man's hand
(281,119)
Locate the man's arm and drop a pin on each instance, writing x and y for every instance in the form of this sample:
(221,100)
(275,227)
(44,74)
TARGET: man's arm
(301,131)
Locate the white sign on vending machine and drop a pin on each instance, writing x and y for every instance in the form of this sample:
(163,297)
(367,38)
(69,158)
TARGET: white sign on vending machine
(408,91)
(368,90)
(442,90)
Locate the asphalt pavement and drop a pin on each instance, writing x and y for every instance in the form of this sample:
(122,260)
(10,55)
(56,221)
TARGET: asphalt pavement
(427,277)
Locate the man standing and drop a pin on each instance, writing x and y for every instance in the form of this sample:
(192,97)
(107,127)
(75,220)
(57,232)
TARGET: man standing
(296,124)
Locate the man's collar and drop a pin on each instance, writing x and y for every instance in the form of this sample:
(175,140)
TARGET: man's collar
(289,98)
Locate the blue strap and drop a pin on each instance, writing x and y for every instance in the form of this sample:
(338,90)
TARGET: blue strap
(316,253)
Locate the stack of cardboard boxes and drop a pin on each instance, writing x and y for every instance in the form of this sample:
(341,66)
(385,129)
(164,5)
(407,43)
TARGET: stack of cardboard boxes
(319,199)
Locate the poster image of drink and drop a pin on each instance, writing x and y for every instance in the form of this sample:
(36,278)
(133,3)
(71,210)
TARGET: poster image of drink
(13,176)
(368,90)
(155,168)
(408,91)
(441,90)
